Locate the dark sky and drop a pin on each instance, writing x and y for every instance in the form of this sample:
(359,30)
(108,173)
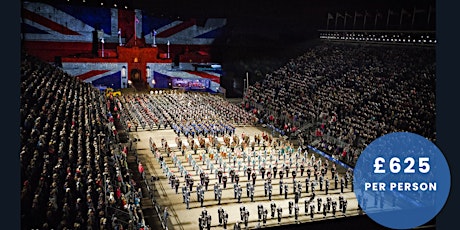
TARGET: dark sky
(277,19)
(269,8)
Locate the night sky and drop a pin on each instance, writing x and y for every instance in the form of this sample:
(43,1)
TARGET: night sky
(281,20)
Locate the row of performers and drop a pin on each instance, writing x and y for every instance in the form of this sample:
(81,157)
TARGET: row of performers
(215,129)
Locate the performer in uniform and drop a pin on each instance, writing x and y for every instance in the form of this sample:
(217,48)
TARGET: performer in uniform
(273,209)
(280,214)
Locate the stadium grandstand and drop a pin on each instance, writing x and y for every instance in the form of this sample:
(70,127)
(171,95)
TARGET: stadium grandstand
(166,116)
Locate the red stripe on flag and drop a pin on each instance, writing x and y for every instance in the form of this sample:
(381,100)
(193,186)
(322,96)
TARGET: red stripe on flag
(90,74)
(47,22)
(125,22)
(176,29)
(213,78)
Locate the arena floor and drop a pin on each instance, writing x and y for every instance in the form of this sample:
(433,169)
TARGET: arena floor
(181,218)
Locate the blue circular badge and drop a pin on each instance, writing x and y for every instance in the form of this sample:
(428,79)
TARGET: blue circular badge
(401,180)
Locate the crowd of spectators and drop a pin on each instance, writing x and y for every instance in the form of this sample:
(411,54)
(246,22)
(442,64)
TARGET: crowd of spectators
(187,113)
(350,94)
(73,174)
